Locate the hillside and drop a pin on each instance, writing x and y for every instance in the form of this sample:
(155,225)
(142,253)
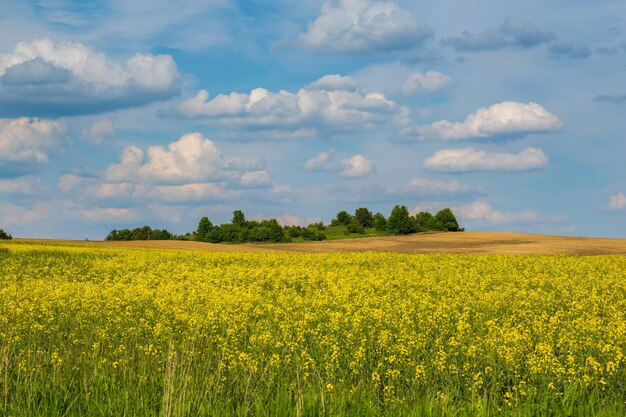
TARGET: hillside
(467,242)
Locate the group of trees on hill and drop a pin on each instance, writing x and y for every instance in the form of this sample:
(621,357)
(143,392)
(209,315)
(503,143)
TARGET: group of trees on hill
(4,235)
(144,233)
(399,222)
(240,230)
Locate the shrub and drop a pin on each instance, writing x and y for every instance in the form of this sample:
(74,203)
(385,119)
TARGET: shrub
(355,227)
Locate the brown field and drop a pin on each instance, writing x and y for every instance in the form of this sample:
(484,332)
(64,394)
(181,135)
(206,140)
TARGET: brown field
(467,242)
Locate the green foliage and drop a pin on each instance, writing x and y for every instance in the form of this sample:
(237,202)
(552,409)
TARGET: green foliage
(312,232)
(4,235)
(400,222)
(317,225)
(239,219)
(142,233)
(355,227)
(364,217)
(446,220)
(204,226)
(425,222)
(343,219)
(379,222)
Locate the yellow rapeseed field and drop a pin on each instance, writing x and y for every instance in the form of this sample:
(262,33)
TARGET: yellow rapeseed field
(108,331)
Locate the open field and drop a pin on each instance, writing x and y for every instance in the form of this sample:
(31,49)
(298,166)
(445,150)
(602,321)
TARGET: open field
(92,330)
(466,242)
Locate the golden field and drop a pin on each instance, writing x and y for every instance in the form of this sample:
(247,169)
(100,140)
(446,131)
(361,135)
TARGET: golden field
(94,330)
(461,243)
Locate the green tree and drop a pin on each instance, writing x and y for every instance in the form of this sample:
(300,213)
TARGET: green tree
(343,219)
(204,226)
(425,221)
(239,219)
(379,222)
(4,235)
(447,221)
(364,217)
(400,221)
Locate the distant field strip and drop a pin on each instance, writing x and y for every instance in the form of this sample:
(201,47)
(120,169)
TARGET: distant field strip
(124,331)
(461,243)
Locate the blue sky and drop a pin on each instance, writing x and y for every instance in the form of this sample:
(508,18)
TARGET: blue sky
(118,114)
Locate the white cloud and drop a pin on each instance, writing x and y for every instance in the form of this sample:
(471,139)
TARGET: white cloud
(480,210)
(508,119)
(100,130)
(416,188)
(87,81)
(618,201)
(28,185)
(108,214)
(430,81)
(356,167)
(255,178)
(470,159)
(322,162)
(364,27)
(331,104)
(26,140)
(333,82)
(429,186)
(192,158)
(188,170)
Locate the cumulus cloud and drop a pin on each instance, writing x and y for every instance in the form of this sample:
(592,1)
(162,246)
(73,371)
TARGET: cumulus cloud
(322,162)
(27,185)
(514,32)
(25,143)
(506,119)
(188,170)
(255,178)
(99,131)
(416,188)
(43,78)
(364,27)
(333,82)
(331,104)
(470,159)
(355,166)
(430,81)
(192,158)
(481,210)
(618,201)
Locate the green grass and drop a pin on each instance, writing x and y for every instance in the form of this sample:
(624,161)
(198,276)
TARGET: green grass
(341,232)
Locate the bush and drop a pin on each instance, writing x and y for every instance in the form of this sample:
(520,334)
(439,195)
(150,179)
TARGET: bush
(355,227)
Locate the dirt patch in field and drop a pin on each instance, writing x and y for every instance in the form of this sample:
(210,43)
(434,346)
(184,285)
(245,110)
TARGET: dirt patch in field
(467,242)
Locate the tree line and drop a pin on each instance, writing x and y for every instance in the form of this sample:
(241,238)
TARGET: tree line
(241,230)
(4,235)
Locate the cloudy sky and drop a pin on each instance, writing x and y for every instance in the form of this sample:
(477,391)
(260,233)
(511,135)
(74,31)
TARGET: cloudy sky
(122,113)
